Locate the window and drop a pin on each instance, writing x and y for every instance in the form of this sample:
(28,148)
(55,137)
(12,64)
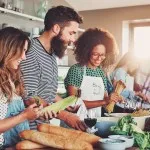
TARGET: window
(140,40)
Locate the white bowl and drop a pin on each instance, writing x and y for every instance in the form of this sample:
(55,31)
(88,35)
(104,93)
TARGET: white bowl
(112,144)
(129,139)
(140,120)
(103,124)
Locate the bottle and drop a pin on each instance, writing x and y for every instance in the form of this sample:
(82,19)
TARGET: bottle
(3,3)
(16,5)
(21,6)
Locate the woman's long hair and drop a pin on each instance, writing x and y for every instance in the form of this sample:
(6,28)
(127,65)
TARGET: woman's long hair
(12,43)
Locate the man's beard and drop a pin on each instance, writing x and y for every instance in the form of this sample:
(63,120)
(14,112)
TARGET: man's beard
(58,46)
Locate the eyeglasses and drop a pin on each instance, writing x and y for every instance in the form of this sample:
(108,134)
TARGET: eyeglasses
(97,55)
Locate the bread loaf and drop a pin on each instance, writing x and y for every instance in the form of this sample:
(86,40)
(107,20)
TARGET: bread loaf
(69,133)
(29,145)
(55,141)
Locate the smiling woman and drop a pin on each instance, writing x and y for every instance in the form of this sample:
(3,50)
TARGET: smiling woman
(13,115)
(92,52)
(13,45)
(16,60)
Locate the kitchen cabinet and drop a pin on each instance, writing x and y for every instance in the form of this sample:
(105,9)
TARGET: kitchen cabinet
(21,20)
(18,14)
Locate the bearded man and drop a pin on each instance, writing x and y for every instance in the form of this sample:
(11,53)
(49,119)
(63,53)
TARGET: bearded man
(40,70)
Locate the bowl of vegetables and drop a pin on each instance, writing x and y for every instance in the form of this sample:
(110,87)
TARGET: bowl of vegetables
(128,126)
(137,116)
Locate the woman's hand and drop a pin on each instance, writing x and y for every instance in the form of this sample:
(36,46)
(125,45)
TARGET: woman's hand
(115,97)
(48,115)
(32,112)
(143,96)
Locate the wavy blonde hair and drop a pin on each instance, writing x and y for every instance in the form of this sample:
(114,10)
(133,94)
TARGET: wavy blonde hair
(12,43)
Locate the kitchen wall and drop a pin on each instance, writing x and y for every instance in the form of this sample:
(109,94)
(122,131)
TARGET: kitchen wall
(112,19)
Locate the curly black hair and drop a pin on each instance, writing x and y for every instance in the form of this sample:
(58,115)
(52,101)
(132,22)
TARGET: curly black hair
(60,15)
(91,38)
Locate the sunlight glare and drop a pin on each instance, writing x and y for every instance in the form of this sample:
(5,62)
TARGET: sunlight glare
(142,42)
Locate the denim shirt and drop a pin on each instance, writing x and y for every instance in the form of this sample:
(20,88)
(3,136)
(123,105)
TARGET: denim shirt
(11,137)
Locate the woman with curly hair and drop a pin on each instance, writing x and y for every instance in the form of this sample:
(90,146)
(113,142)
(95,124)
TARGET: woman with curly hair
(13,115)
(95,48)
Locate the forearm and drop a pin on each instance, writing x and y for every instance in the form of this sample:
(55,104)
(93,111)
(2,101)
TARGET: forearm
(94,104)
(11,122)
(57,98)
(63,115)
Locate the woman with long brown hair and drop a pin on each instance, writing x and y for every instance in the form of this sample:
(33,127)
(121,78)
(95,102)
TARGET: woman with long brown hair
(13,115)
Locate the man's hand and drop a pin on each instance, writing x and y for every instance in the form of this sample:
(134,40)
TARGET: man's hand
(32,100)
(72,120)
(73,109)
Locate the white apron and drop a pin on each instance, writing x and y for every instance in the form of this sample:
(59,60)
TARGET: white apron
(92,88)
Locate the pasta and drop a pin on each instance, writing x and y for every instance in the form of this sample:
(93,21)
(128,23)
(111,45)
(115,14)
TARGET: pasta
(140,112)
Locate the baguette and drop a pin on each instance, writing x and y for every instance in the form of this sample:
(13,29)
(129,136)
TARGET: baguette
(28,145)
(69,133)
(55,141)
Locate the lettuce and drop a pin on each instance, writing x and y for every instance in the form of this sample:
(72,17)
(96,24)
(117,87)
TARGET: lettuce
(127,126)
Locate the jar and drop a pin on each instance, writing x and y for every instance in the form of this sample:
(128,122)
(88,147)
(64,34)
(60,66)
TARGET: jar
(9,4)
(21,6)
(41,7)
(16,5)
(3,3)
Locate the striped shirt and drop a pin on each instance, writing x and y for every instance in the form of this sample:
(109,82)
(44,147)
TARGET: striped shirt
(40,72)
